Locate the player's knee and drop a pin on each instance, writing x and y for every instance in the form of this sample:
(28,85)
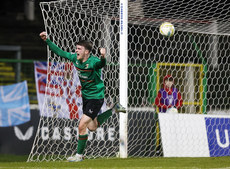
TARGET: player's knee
(82,128)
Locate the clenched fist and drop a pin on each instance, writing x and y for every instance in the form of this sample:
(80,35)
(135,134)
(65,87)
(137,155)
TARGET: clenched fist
(43,36)
(103,52)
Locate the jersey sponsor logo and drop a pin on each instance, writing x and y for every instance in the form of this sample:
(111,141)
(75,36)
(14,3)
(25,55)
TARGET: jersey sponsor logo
(218,133)
(82,76)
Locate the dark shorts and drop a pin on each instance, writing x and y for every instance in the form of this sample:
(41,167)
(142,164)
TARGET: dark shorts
(91,107)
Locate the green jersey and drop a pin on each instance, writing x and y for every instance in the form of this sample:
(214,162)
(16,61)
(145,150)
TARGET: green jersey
(89,72)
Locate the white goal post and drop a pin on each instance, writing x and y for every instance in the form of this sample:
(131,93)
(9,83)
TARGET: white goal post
(139,59)
(123,76)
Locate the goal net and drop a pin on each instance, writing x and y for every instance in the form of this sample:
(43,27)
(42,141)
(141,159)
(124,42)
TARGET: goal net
(196,56)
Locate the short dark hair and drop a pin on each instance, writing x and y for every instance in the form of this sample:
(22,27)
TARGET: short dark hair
(87,44)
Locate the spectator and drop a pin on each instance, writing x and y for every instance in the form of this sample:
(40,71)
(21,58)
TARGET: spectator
(168,96)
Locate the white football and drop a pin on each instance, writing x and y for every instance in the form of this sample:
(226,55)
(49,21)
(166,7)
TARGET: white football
(167,29)
(172,110)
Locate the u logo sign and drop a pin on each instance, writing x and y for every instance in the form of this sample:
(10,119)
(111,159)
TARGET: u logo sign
(223,145)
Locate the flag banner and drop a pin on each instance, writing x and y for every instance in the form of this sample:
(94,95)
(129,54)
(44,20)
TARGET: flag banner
(14,104)
(59,90)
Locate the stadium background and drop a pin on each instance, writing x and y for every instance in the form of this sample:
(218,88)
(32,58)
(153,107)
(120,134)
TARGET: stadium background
(17,29)
(20,29)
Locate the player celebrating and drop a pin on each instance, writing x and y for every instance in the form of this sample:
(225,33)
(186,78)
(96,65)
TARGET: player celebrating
(168,96)
(89,72)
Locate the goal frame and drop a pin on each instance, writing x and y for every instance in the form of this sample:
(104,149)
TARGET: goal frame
(123,57)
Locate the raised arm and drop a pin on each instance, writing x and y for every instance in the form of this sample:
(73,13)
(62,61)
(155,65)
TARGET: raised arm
(53,47)
(100,64)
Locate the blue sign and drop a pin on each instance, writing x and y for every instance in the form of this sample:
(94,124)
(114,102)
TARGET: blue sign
(218,133)
(14,104)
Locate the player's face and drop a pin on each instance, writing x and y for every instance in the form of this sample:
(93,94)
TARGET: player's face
(81,52)
(169,83)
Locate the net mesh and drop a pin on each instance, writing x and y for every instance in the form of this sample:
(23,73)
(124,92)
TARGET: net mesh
(197,56)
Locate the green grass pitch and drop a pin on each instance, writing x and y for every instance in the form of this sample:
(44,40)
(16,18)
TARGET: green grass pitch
(19,162)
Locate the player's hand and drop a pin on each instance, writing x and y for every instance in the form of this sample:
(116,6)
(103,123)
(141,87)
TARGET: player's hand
(43,36)
(103,52)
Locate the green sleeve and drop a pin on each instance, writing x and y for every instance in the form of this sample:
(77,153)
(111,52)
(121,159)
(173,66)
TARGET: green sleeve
(100,64)
(53,47)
